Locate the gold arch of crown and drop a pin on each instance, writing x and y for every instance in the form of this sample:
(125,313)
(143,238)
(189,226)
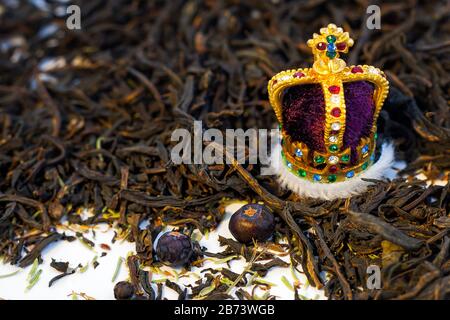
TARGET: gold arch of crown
(331,73)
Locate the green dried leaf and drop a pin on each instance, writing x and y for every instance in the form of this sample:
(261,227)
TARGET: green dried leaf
(294,274)
(84,269)
(263,297)
(262,281)
(287,283)
(226,281)
(3,276)
(34,280)
(116,272)
(224,260)
(33,269)
(207,290)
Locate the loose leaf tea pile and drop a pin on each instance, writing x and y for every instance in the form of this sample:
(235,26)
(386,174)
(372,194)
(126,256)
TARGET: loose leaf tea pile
(86,118)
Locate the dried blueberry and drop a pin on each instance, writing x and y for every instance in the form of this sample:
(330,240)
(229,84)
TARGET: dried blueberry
(124,290)
(252,221)
(174,248)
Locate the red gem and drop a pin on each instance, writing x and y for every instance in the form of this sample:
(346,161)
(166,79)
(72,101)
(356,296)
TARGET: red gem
(357,69)
(336,112)
(334,132)
(333,169)
(299,74)
(334,89)
(321,46)
(341,46)
(274,82)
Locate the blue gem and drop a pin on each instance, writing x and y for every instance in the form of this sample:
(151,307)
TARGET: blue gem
(317,177)
(365,149)
(372,157)
(350,174)
(289,165)
(331,47)
(298,152)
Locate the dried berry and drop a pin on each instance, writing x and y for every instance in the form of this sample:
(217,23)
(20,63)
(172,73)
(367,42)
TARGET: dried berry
(124,290)
(174,248)
(252,221)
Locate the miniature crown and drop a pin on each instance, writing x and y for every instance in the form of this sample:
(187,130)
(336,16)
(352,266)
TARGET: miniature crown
(328,113)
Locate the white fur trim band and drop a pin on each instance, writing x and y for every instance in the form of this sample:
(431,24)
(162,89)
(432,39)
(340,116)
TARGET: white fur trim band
(331,191)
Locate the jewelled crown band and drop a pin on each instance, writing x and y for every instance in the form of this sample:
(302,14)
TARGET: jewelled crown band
(328,113)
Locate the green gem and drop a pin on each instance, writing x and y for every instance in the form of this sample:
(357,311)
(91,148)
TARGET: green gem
(301,173)
(333,148)
(332,178)
(319,159)
(365,165)
(331,39)
(345,158)
(376,135)
(331,54)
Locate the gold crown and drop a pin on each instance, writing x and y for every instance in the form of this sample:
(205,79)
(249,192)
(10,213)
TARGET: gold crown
(336,162)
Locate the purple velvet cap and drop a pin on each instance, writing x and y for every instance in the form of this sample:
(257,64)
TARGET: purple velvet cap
(304,114)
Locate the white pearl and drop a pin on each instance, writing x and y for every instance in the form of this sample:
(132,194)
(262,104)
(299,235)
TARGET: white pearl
(373,70)
(335,126)
(335,99)
(333,160)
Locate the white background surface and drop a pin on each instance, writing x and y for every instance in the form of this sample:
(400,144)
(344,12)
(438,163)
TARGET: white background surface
(97,283)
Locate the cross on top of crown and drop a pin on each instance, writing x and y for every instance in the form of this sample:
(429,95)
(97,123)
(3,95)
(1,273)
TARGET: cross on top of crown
(326,47)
